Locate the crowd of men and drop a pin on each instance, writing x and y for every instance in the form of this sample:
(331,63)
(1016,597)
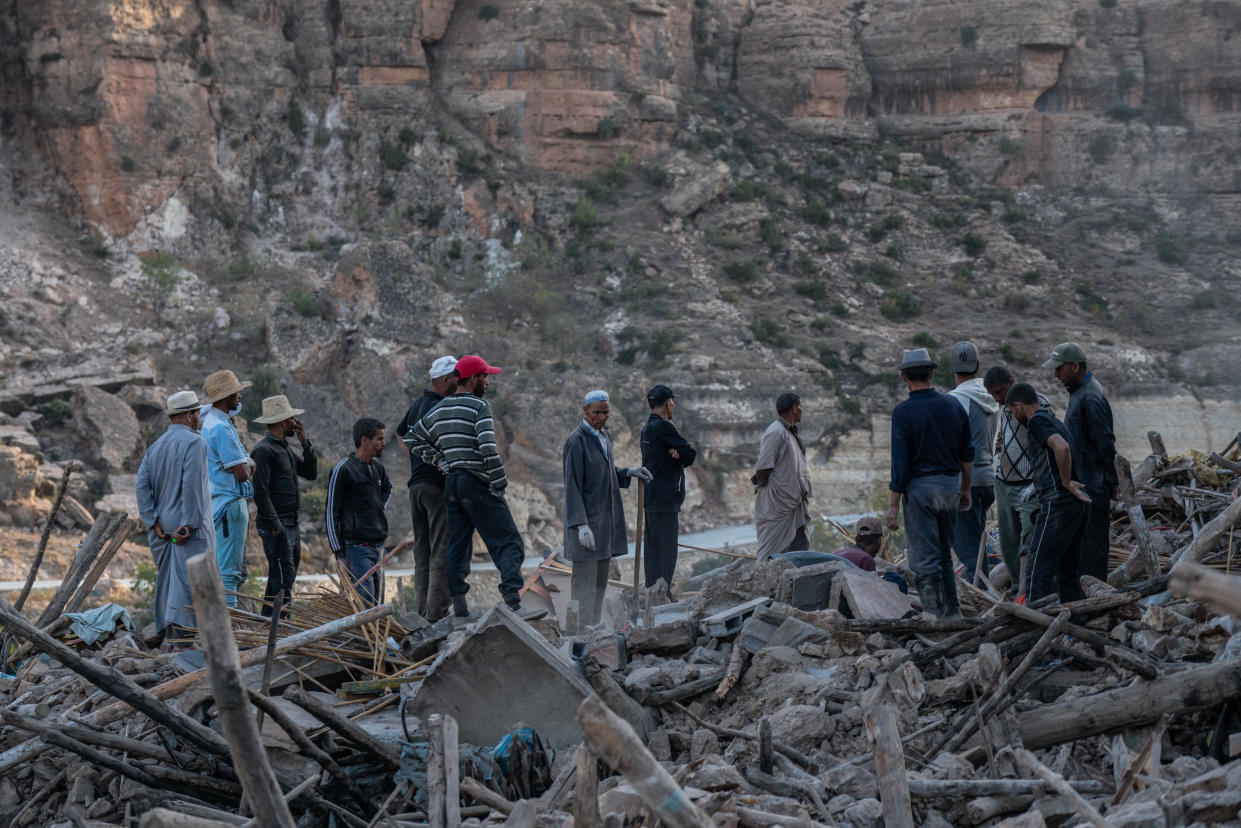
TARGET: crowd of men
(989,441)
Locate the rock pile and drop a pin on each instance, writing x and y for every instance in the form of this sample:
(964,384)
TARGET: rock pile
(729,707)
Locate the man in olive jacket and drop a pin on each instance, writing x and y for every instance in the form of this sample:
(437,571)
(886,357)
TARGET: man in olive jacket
(594,519)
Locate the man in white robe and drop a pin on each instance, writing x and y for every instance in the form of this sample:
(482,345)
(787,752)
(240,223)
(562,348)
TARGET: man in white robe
(782,484)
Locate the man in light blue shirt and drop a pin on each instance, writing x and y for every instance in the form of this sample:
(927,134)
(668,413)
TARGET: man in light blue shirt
(228,468)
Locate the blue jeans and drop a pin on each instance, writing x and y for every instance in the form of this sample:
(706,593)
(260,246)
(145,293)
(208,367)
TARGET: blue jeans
(359,558)
(471,507)
(931,522)
(230,547)
(970,528)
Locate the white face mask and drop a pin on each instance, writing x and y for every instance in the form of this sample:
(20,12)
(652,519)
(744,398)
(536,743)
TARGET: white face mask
(234,412)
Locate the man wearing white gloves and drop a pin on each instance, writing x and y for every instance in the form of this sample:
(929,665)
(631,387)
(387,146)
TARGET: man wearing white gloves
(594,519)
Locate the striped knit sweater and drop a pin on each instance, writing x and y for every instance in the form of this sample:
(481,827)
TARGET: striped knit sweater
(459,435)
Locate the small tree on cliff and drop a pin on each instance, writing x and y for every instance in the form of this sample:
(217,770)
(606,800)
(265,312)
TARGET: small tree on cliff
(161,273)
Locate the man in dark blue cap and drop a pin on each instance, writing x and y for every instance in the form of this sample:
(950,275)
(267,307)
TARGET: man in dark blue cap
(932,465)
(666,454)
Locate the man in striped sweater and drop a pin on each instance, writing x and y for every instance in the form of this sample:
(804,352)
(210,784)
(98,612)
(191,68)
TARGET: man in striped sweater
(458,435)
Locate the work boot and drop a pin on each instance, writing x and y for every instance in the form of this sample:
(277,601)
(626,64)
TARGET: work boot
(930,594)
(949,600)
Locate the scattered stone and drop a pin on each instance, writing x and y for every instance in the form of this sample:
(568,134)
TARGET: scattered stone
(107,427)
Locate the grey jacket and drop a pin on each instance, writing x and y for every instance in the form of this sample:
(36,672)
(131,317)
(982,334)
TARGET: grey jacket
(983,412)
(592,485)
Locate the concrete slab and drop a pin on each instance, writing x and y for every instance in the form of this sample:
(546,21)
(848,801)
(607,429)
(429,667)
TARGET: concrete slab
(503,673)
(866,595)
(808,587)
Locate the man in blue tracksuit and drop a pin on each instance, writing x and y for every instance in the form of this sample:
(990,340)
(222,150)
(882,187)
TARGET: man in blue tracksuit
(1064,505)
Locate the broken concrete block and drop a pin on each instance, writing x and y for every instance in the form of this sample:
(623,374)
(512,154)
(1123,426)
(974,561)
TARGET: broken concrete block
(808,587)
(1137,815)
(1030,819)
(801,725)
(703,743)
(864,814)
(1214,808)
(866,596)
(502,673)
(676,637)
(659,745)
(728,621)
(795,634)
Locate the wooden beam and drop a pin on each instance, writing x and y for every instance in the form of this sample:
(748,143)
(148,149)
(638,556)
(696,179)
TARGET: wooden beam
(232,700)
(611,739)
(880,722)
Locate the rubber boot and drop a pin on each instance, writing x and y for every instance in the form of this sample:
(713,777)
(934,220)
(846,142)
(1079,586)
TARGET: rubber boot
(930,593)
(949,601)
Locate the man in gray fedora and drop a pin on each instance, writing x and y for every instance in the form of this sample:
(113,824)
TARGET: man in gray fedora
(276,494)
(174,501)
(932,463)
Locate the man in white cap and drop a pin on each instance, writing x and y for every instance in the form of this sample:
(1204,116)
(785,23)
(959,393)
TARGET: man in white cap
(426,500)
(594,519)
(228,468)
(174,501)
(459,436)
(276,494)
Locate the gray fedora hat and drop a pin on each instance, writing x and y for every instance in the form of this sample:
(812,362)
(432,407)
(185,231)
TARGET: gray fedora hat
(917,358)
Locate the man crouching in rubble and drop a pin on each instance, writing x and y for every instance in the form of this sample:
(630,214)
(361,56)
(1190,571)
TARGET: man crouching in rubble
(932,463)
(174,501)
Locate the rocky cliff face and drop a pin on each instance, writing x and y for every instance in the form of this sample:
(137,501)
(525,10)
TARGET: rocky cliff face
(333,192)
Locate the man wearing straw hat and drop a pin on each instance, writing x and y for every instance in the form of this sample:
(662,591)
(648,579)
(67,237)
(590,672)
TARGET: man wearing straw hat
(276,495)
(174,501)
(228,468)
(594,518)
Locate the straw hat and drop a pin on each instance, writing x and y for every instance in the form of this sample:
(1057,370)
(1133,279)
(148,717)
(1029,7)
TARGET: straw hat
(222,384)
(182,402)
(277,409)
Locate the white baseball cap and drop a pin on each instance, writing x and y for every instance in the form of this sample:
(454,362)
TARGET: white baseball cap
(442,366)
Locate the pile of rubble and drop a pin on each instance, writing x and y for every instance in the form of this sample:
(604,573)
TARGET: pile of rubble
(767,695)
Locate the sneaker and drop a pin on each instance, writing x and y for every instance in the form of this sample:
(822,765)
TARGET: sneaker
(528,613)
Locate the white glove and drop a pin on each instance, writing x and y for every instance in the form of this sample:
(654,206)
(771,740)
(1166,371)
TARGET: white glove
(585,537)
(1027,493)
(642,473)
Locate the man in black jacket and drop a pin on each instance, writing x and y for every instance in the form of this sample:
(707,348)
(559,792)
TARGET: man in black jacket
(665,453)
(426,501)
(1088,419)
(357,495)
(276,469)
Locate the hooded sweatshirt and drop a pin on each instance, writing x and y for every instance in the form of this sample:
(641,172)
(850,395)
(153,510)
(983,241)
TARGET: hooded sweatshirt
(984,414)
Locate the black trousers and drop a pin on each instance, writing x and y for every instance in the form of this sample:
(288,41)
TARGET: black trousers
(1095,537)
(1053,559)
(470,506)
(659,546)
(284,556)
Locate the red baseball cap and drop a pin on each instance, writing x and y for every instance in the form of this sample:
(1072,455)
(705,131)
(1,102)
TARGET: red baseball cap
(470,365)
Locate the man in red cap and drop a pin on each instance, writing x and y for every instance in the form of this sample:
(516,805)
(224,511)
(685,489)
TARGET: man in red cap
(458,435)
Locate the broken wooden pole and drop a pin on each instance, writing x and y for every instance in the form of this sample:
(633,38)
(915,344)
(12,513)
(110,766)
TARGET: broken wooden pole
(104,528)
(479,792)
(452,771)
(1205,584)
(766,751)
(953,788)
(1140,761)
(1133,661)
(1056,782)
(586,798)
(232,700)
(1143,703)
(685,691)
(736,665)
(611,739)
(248,658)
(307,746)
(387,753)
(165,818)
(114,682)
(436,794)
(1197,549)
(44,538)
(880,722)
